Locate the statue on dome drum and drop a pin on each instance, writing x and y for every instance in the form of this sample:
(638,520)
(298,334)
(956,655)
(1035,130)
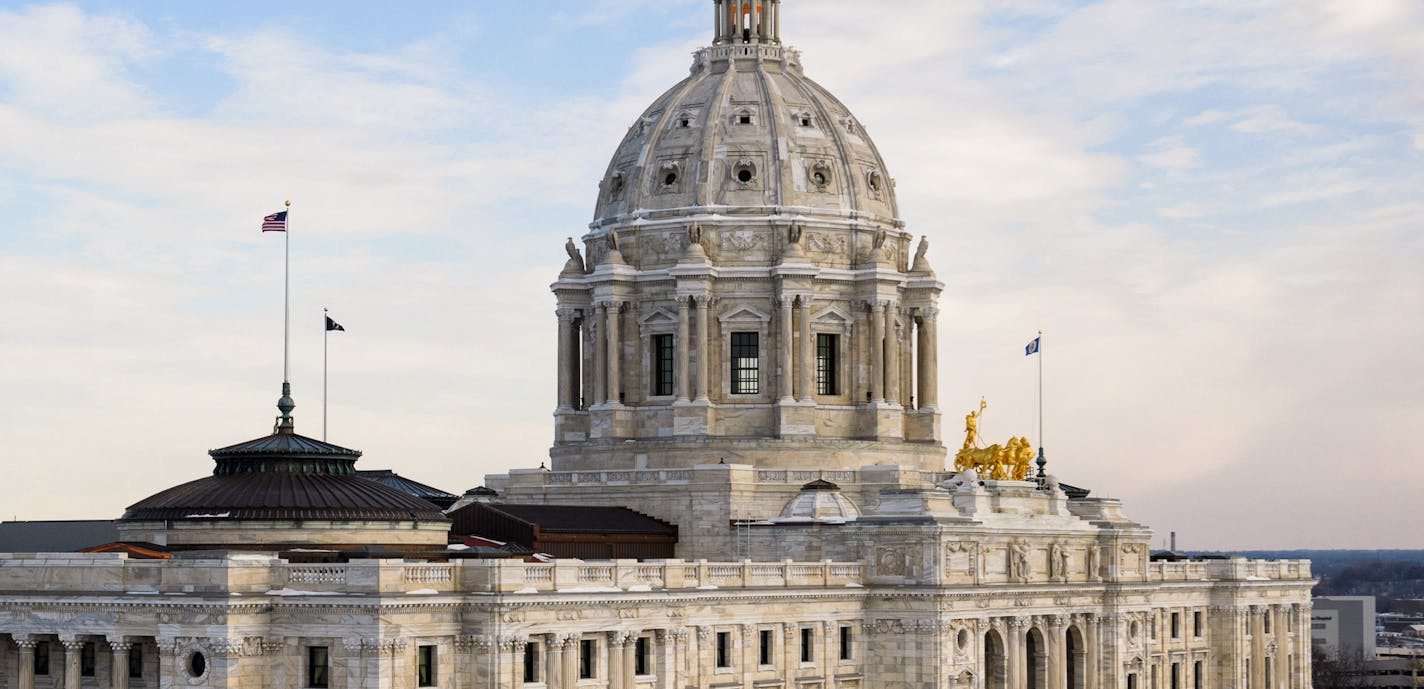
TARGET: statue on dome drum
(575,264)
(1010,461)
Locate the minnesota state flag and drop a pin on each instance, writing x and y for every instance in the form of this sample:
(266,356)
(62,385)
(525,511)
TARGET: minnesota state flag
(1032,348)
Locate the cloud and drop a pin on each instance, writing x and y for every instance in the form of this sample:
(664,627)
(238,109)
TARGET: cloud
(1218,229)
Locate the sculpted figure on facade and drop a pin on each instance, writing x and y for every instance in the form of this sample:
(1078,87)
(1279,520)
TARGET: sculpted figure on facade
(1058,561)
(921,263)
(1018,552)
(575,264)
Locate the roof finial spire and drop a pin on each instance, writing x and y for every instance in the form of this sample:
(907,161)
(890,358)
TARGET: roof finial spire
(746,21)
(285,425)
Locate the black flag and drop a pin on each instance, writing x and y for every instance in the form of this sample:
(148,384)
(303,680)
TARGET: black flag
(333,325)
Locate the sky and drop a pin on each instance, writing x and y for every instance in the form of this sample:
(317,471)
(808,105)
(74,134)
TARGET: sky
(1212,208)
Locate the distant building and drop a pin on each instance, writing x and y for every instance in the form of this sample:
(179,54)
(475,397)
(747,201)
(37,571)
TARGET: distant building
(1343,626)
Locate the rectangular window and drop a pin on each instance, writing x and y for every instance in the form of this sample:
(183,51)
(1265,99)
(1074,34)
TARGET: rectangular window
(662,365)
(764,649)
(1197,624)
(724,651)
(1248,673)
(1132,680)
(826,348)
(1268,672)
(587,648)
(42,658)
(808,644)
(425,666)
(746,364)
(1176,625)
(1197,675)
(318,667)
(641,656)
(1266,622)
(531,663)
(1176,676)
(86,660)
(847,643)
(135,661)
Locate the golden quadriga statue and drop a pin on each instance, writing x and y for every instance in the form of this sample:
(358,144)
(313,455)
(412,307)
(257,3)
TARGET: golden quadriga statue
(1012,460)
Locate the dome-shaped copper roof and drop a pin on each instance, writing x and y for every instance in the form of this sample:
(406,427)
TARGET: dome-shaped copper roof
(284,476)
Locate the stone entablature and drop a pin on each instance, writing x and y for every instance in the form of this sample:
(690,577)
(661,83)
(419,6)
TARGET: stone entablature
(253,619)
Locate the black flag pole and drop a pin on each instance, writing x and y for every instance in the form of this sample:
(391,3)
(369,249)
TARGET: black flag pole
(328,326)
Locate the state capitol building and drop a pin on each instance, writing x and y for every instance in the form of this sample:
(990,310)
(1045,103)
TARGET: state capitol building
(748,488)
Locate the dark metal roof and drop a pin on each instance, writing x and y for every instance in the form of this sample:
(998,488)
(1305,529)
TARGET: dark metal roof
(582,518)
(283,495)
(286,445)
(56,536)
(420,490)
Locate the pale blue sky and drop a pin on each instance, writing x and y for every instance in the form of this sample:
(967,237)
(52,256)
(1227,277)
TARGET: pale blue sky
(1212,207)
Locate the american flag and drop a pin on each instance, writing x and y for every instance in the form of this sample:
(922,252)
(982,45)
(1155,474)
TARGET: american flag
(276,222)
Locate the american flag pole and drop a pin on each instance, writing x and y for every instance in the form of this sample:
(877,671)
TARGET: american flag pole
(287,297)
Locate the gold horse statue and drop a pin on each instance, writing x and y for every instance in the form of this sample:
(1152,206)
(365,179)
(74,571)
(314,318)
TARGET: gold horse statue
(1012,460)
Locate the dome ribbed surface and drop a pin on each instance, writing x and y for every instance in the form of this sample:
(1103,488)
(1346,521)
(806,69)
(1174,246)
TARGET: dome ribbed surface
(748,132)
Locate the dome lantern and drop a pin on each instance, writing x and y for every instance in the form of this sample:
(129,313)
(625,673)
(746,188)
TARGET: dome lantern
(747,21)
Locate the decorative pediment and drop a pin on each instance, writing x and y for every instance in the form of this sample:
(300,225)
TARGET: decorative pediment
(832,314)
(744,313)
(658,316)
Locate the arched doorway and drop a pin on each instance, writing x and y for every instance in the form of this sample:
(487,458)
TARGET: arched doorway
(1076,657)
(1035,660)
(995,667)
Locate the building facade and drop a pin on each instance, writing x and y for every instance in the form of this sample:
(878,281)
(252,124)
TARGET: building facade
(747,338)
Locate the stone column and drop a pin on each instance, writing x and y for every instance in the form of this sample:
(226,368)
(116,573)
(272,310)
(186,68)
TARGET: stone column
(630,666)
(1254,618)
(616,641)
(1014,653)
(566,359)
(808,350)
(877,353)
(892,354)
(615,353)
(929,359)
(570,662)
(119,663)
(73,647)
(680,375)
(553,661)
(26,661)
(1058,650)
(703,352)
(783,350)
(600,354)
(1280,632)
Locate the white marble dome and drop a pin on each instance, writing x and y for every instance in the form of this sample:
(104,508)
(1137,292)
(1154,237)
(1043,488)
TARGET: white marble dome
(819,501)
(746,133)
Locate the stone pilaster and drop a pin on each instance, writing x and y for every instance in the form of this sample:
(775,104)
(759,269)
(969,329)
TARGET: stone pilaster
(892,353)
(570,652)
(877,353)
(680,374)
(615,353)
(808,350)
(600,355)
(703,351)
(785,375)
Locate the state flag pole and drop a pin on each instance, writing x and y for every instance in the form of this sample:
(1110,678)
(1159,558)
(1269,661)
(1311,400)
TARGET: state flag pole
(328,325)
(1042,461)
(325,335)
